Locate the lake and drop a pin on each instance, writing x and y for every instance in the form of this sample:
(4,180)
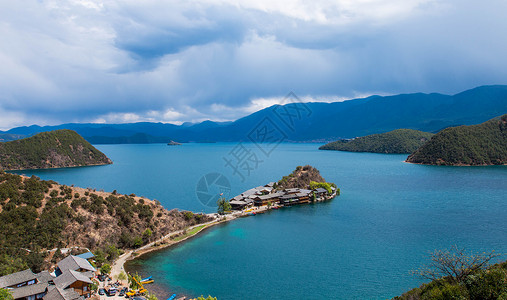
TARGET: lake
(361,245)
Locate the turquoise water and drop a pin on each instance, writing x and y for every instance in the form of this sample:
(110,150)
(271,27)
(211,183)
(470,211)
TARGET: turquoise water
(361,245)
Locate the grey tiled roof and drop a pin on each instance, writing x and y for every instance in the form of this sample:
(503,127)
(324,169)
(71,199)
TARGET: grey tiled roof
(72,262)
(288,196)
(238,202)
(29,290)
(321,190)
(271,196)
(249,192)
(69,277)
(16,278)
(44,276)
(56,293)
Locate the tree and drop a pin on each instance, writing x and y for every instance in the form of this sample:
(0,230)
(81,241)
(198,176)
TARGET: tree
(5,295)
(122,276)
(147,234)
(94,286)
(11,264)
(223,206)
(105,269)
(112,252)
(138,242)
(152,297)
(133,284)
(455,264)
(57,255)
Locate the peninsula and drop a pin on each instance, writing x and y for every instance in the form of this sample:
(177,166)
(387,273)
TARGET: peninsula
(54,149)
(393,142)
(303,185)
(476,145)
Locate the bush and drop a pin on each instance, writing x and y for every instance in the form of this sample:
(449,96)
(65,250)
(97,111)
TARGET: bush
(105,269)
(487,284)
(188,215)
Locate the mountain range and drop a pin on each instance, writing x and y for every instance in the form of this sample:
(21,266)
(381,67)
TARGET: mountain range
(305,122)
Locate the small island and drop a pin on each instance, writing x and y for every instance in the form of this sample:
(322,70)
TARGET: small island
(173,143)
(476,145)
(398,141)
(54,149)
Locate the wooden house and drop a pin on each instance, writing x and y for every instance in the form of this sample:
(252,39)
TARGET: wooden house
(77,281)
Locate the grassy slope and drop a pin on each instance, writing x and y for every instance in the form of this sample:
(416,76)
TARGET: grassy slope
(396,141)
(483,144)
(60,148)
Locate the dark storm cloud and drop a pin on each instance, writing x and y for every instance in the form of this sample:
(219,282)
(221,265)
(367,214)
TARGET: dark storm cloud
(175,61)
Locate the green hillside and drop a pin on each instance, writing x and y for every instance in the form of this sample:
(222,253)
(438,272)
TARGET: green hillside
(476,145)
(396,141)
(55,149)
(481,284)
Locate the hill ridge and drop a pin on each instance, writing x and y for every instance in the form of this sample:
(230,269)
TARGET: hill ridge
(393,142)
(475,145)
(55,149)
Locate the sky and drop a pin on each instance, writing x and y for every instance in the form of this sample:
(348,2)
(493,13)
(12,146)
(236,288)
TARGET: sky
(191,60)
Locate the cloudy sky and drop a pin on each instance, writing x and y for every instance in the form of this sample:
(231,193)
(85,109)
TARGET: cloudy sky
(191,60)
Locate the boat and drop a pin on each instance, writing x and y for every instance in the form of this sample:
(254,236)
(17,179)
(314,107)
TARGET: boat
(146,279)
(172,297)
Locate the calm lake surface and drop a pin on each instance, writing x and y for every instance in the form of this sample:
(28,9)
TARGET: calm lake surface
(361,245)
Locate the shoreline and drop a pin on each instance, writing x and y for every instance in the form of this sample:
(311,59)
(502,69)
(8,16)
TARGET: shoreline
(174,238)
(119,265)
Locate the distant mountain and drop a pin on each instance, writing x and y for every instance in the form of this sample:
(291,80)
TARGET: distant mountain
(303,122)
(6,137)
(396,141)
(483,144)
(56,149)
(138,138)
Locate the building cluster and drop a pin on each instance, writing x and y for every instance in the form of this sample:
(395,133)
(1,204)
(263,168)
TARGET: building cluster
(262,195)
(71,280)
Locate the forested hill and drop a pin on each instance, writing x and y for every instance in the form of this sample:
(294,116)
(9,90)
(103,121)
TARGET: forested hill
(396,141)
(476,145)
(55,149)
(38,215)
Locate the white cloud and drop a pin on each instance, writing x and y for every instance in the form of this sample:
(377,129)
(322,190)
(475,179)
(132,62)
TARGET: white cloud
(176,61)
